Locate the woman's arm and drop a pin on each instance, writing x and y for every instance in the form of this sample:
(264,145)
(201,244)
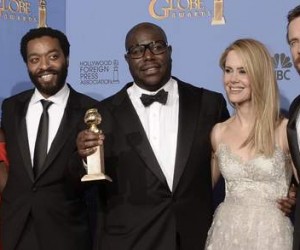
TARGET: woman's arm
(215,171)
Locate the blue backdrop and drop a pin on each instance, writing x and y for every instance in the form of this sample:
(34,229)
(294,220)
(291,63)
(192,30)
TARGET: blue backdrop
(198,30)
(195,30)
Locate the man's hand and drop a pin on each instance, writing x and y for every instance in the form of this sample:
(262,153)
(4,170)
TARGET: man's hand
(287,204)
(87,142)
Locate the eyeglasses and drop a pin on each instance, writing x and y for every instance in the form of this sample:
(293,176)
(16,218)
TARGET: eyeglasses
(138,51)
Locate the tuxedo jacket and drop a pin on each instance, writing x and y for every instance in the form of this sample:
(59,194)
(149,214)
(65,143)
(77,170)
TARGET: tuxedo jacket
(138,209)
(295,153)
(54,200)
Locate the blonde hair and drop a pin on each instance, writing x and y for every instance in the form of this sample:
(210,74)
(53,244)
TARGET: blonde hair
(259,66)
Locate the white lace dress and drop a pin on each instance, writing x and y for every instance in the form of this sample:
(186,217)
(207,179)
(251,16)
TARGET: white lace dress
(249,218)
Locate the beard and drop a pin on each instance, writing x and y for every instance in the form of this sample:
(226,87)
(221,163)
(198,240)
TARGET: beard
(297,64)
(50,89)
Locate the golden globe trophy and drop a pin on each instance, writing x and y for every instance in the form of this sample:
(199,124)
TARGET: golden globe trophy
(218,17)
(95,162)
(42,13)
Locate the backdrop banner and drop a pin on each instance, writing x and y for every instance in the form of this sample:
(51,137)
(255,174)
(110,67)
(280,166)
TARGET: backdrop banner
(198,30)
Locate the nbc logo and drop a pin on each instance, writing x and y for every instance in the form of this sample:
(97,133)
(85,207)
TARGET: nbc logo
(282,65)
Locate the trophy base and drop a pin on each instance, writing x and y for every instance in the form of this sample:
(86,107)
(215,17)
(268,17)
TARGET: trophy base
(95,177)
(218,21)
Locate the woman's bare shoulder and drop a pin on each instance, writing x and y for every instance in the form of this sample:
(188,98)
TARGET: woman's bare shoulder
(219,130)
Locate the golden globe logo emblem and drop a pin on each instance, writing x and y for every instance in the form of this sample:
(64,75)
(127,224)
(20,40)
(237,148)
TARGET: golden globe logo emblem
(16,10)
(19,10)
(15,6)
(42,14)
(162,9)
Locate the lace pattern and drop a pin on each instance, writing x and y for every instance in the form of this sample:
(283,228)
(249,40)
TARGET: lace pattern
(249,218)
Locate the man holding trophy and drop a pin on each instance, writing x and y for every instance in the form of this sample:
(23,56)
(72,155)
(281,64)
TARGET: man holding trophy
(156,152)
(95,162)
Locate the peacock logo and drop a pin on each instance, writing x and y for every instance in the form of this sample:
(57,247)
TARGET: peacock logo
(282,64)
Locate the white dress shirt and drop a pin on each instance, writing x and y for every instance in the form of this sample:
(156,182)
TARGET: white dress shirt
(160,123)
(55,111)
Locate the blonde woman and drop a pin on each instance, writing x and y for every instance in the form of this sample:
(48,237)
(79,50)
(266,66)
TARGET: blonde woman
(251,152)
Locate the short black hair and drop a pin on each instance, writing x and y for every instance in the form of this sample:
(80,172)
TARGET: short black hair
(144,25)
(293,14)
(44,31)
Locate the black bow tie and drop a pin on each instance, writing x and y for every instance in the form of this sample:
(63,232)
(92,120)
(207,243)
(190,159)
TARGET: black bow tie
(161,96)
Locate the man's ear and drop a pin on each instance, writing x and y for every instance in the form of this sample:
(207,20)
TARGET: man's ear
(126,57)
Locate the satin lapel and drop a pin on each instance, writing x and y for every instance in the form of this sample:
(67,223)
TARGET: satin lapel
(70,119)
(21,131)
(188,111)
(128,120)
(293,138)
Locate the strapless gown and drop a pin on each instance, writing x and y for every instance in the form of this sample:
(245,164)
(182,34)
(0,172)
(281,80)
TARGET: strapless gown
(249,218)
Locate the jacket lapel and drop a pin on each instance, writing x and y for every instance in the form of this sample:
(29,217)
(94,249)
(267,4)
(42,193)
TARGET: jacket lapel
(293,137)
(21,129)
(69,121)
(188,109)
(124,112)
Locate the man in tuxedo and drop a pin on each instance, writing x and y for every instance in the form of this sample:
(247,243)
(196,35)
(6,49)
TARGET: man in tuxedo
(43,205)
(293,127)
(157,152)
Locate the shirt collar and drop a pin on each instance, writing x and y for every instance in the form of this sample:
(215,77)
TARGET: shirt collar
(57,98)
(137,91)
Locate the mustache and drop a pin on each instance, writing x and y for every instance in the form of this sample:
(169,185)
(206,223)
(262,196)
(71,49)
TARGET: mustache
(47,71)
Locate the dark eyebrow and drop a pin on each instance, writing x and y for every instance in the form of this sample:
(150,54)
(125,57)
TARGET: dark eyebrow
(49,52)
(239,68)
(293,39)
